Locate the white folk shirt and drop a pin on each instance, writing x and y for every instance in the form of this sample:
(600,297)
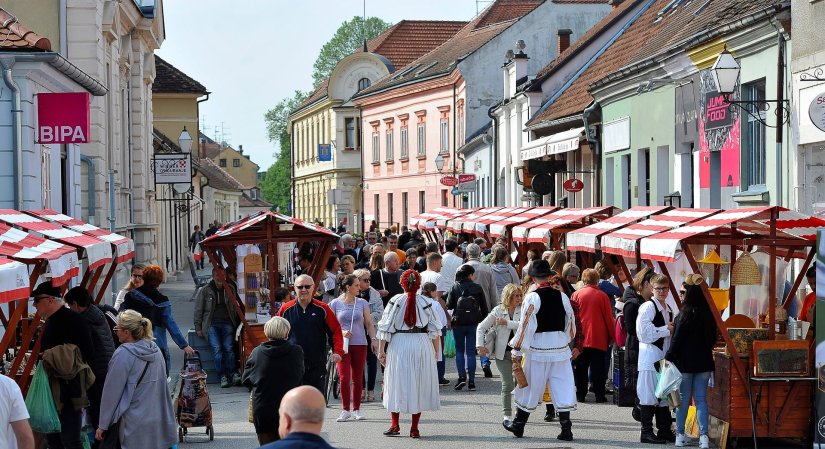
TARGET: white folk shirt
(648,333)
(12,409)
(543,346)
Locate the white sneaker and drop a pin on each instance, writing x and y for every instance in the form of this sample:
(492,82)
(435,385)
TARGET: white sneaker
(681,440)
(358,415)
(704,442)
(344,416)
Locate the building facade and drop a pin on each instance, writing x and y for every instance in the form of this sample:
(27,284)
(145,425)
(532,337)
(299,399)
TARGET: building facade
(239,165)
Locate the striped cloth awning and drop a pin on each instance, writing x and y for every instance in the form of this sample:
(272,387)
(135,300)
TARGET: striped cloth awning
(587,238)
(252,220)
(498,228)
(427,220)
(124,246)
(98,252)
(443,220)
(792,223)
(484,222)
(14,280)
(538,229)
(467,223)
(20,245)
(623,241)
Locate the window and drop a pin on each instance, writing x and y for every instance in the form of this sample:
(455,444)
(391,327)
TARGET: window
(445,136)
(222,162)
(422,199)
(389,146)
(405,209)
(363,83)
(443,197)
(404,144)
(755,144)
(377,199)
(351,134)
(236,162)
(390,211)
(376,157)
(422,139)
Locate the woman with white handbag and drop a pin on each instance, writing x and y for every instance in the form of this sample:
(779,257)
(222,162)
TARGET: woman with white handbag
(493,334)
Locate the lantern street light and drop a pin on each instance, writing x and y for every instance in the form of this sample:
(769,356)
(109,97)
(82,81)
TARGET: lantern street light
(185,141)
(439,163)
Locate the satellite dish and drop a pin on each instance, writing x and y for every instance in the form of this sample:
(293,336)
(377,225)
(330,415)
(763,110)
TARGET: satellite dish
(542,184)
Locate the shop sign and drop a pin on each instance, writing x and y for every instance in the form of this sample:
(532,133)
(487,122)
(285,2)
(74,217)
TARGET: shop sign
(816,111)
(449,181)
(573,185)
(63,117)
(466,183)
(172,168)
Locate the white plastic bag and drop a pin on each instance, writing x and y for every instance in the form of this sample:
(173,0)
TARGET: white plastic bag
(669,380)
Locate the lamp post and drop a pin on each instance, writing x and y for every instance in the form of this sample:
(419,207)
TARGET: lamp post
(185,141)
(439,163)
(185,144)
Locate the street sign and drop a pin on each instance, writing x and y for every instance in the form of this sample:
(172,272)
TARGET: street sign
(172,168)
(573,185)
(449,181)
(817,111)
(63,117)
(466,183)
(455,190)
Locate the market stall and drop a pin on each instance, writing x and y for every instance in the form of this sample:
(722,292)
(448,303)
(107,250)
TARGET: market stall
(481,225)
(433,224)
(465,224)
(505,226)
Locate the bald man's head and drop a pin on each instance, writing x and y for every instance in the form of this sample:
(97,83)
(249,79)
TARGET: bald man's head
(302,410)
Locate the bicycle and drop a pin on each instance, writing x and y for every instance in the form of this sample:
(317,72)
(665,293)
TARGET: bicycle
(331,380)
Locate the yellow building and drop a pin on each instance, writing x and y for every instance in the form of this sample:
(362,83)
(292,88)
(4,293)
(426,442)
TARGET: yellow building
(176,98)
(238,165)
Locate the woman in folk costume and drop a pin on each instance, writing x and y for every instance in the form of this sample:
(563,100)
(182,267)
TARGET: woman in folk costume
(410,377)
(541,348)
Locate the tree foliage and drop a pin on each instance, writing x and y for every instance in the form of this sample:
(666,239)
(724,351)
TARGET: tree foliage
(348,38)
(276,184)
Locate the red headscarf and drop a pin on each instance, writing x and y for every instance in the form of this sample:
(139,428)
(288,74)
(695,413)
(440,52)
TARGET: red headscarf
(411,281)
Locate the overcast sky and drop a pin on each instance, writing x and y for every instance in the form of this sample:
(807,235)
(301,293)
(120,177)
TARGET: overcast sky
(252,53)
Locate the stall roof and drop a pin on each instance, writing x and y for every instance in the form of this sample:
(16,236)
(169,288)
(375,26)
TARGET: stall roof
(125,246)
(421,221)
(587,238)
(536,230)
(30,248)
(441,221)
(482,223)
(623,241)
(98,252)
(467,221)
(253,228)
(499,228)
(14,280)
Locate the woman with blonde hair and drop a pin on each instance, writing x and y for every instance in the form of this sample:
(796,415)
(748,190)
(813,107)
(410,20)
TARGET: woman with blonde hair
(135,395)
(492,336)
(376,262)
(135,281)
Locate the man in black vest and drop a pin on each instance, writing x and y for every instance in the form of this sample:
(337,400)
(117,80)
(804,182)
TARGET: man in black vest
(542,343)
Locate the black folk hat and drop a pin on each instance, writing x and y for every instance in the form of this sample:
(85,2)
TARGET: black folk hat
(540,269)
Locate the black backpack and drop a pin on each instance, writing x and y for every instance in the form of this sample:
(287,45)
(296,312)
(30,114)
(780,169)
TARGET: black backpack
(467,311)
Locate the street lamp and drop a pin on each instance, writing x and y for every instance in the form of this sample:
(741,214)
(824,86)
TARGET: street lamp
(439,163)
(725,73)
(185,141)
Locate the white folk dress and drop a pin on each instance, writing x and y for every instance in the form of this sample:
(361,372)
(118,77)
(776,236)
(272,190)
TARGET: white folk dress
(410,376)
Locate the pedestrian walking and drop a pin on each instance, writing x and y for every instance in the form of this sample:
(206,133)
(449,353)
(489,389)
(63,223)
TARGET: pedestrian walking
(433,275)
(15,431)
(194,245)
(598,329)
(216,318)
(135,406)
(451,260)
(428,290)
(353,314)
(497,329)
(276,358)
(654,327)
(392,246)
(633,297)
(541,345)
(302,418)
(484,278)
(411,329)
(387,280)
(135,281)
(503,271)
(369,294)
(468,304)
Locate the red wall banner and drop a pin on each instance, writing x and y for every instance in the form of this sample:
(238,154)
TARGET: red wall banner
(63,117)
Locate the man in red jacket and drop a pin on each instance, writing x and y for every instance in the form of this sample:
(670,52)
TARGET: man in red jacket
(598,331)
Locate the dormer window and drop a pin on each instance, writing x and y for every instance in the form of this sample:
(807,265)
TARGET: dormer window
(363,83)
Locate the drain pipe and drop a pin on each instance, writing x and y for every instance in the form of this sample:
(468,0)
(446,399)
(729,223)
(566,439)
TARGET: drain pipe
(597,152)
(17,134)
(91,207)
(494,154)
(112,221)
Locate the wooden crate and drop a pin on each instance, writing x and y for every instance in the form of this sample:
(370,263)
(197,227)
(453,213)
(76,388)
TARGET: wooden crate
(251,336)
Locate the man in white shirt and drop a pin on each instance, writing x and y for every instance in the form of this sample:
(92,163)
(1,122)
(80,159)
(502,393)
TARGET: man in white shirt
(15,432)
(432,274)
(450,263)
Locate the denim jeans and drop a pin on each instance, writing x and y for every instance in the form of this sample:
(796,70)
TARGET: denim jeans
(220,339)
(372,368)
(440,365)
(465,346)
(695,384)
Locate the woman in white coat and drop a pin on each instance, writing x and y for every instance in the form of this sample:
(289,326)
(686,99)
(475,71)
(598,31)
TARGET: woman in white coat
(492,336)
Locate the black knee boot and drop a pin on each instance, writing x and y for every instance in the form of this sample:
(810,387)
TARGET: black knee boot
(551,413)
(647,412)
(566,427)
(518,423)
(663,423)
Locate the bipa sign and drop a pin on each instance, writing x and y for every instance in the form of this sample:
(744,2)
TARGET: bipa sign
(63,117)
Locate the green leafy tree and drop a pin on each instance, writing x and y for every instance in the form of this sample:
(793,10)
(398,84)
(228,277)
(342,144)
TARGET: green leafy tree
(276,183)
(348,38)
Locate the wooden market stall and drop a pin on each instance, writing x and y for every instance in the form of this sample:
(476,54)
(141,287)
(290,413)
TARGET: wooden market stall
(462,227)
(504,227)
(427,222)
(264,248)
(481,225)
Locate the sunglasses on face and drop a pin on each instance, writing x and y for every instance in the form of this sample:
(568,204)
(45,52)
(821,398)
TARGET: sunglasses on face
(303,287)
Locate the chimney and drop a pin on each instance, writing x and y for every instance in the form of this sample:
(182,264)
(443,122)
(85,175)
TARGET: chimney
(240,149)
(564,40)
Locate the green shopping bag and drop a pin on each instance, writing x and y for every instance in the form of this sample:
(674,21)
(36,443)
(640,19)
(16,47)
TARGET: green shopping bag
(449,344)
(43,415)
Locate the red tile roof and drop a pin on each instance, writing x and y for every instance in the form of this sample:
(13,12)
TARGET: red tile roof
(14,36)
(505,10)
(217,177)
(169,79)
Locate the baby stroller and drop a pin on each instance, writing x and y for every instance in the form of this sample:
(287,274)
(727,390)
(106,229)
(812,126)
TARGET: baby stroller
(193,407)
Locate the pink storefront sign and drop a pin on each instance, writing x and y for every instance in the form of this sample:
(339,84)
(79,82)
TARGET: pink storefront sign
(63,117)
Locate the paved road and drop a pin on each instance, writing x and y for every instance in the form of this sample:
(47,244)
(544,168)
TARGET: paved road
(466,420)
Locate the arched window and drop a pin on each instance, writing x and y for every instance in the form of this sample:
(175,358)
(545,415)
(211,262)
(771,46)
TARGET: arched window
(363,83)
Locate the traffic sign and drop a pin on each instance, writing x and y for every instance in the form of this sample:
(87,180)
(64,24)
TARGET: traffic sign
(573,185)
(449,181)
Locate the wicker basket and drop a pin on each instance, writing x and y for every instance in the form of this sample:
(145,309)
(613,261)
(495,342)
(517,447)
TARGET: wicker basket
(745,271)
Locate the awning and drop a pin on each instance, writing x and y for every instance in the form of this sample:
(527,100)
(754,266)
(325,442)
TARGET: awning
(623,241)
(442,221)
(482,223)
(587,238)
(537,230)
(25,247)
(98,252)
(14,280)
(500,227)
(427,220)
(554,144)
(124,246)
(466,223)
(255,219)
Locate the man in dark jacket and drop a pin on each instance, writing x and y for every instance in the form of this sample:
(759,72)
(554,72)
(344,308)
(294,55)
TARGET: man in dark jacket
(302,418)
(79,300)
(216,317)
(64,326)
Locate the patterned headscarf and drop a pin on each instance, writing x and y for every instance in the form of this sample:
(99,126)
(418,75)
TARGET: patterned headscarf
(411,281)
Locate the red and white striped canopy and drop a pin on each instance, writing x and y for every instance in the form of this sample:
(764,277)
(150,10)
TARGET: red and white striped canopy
(538,229)
(467,222)
(428,220)
(20,245)
(500,227)
(587,238)
(252,220)
(124,246)
(793,223)
(14,280)
(623,241)
(482,223)
(98,252)
(443,221)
